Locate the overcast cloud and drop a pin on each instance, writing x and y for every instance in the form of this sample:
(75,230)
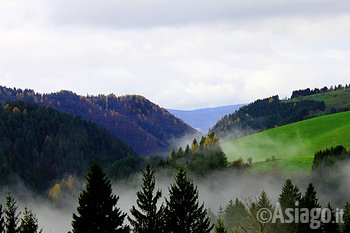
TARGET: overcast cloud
(179,54)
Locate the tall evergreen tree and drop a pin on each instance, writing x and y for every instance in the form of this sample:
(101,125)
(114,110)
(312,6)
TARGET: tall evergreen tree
(264,203)
(309,201)
(347,217)
(235,212)
(2,220)
(11,214)
(183,214)
(97,210)
(149,219)
(220,227)
(289,197)
(29,222)
(332,226)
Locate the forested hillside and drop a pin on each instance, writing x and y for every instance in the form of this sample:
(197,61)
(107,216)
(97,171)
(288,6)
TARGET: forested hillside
(40,145)
(266,113)
(134,119)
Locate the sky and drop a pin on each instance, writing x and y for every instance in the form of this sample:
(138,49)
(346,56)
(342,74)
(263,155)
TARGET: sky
(180,54)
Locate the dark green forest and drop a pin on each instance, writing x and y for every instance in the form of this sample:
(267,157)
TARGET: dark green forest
(143,125)
(308,91)
(98,210)
(266,113)
(39,145)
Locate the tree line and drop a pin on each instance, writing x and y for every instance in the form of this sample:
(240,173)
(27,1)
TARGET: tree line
(11,222)
(242,217)
(265,114)
(308,91)
(143,125)
(98,210)
(182,212)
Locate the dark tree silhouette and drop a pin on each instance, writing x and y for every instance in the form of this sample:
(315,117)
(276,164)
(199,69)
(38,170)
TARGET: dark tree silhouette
(97,210)
(29,222)
(11,214)
(183,213)
(147,218)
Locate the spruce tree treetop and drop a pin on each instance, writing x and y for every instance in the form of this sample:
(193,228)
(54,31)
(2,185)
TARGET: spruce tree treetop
(332,226)
(29,222)
(220,227)
(97,210)
(148,219)
(183,213)
(11,222)
(290,195)
(310,199)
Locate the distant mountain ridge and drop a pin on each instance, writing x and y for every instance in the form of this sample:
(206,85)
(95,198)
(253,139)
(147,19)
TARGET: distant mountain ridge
(205,118)
(145,126)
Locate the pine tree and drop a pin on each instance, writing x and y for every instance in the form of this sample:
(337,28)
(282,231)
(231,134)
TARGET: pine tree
(2,220)
(264,203)
(347,217)
(309,201)
(289,198)
(332,226)
(290,195)
(235,212)
(148,219)
(97,210)
(29,222)
(11,222)
(183,214)
(220,227)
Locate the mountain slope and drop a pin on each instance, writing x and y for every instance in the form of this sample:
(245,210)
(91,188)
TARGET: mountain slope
(272,112)
(339,99)
(292,145)
(264,114)
(40,145)
(142,124)
(205,118)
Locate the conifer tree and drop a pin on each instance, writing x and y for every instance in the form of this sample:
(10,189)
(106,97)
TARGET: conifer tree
(332,226)
(263,203)
(149,219)
(309,201)
(347,217)
(11,214)
(235,212)
(97,210)
(29,222)
(183,214)
(289,198)
(220,227)
(2,220)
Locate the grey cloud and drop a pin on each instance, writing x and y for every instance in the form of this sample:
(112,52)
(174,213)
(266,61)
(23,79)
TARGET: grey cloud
(142,13)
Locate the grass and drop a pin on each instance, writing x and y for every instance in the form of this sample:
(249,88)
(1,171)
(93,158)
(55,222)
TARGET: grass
(292,145)
(336,99)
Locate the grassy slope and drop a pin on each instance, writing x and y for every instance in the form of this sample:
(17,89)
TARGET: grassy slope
(293,145)
(336,99)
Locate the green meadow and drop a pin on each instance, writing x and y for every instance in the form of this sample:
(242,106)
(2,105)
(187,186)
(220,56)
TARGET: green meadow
(294,145)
